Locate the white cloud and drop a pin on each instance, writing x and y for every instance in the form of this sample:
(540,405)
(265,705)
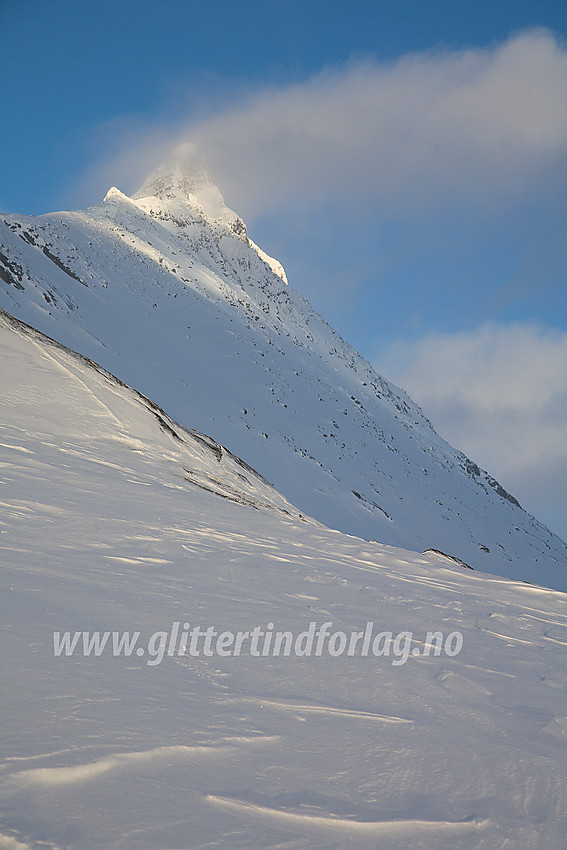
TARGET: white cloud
(499,393)
(478,124)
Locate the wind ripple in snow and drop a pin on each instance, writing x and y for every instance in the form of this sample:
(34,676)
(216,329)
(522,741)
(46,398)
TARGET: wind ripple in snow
(301,708)
(55,776)
(334,825)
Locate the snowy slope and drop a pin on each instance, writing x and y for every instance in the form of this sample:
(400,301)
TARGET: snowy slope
(103,531)
(166,291)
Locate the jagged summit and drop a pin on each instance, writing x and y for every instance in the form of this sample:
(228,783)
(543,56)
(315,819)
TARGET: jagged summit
(181,189)
(183,178)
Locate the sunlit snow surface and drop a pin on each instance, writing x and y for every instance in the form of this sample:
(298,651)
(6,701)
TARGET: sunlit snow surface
(106,525)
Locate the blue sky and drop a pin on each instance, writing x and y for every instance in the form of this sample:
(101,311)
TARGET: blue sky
(406,161)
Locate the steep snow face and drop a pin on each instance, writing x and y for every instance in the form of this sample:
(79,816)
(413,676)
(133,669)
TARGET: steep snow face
(151,747)
(167,292)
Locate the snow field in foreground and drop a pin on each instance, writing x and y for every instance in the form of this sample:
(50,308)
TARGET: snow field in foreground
(109,523)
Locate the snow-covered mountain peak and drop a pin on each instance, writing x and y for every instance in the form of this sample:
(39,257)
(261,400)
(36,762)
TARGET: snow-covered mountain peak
(115,194)
(166,291)
(180,191)
(182,180)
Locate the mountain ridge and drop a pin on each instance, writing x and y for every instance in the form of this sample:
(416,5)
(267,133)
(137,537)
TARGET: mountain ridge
(178,302)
